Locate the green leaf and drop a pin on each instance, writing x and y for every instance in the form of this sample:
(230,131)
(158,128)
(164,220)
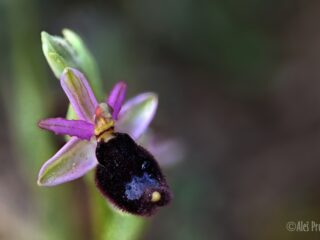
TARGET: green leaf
(85,59)
(58,52)
(71,51)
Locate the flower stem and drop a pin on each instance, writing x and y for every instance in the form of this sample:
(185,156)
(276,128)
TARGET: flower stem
(124,227)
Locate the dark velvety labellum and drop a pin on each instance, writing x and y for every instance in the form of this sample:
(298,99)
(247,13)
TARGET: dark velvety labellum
(129,176)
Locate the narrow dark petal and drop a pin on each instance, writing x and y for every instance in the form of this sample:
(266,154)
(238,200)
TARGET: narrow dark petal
(77,128)
(116,98)
(79,93)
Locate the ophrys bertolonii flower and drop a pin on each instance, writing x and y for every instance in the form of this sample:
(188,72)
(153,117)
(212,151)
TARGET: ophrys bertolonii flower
(103,137)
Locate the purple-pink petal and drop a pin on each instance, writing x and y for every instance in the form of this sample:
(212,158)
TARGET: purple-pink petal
(116,98)
(79,93)
(72,161)
(77,128)
(167,152)
(136,114)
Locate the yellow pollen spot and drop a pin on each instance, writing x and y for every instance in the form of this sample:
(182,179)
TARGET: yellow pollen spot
(155,197)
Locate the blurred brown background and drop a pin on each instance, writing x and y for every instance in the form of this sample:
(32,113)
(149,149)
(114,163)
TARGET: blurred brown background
(238,82)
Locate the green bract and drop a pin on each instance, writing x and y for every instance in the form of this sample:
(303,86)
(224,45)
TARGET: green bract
(70,51)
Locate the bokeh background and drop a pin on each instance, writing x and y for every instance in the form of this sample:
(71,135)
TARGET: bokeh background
(239,84)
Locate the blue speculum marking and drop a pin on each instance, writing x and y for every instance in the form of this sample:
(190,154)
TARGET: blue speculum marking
(138,185)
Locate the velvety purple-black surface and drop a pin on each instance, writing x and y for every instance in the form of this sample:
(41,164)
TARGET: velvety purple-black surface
(128,174)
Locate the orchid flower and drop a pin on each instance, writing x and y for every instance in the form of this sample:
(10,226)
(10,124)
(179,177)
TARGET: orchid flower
(77,156)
